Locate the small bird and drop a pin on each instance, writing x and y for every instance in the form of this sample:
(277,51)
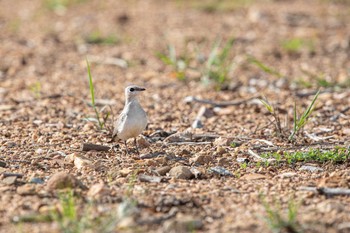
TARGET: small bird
(133,119)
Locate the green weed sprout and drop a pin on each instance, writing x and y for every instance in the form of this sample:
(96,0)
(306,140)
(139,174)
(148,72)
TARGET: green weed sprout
(279,221)
(179,64)
(101,120)
(217,66)
(35,88)
(92,92)
(70,221)
(300,122)
(275,115)
(336,155)
(264,67)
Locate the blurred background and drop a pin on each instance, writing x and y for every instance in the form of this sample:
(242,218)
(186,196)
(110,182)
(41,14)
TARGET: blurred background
(219,49)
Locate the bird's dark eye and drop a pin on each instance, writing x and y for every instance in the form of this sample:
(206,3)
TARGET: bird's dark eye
(132,89)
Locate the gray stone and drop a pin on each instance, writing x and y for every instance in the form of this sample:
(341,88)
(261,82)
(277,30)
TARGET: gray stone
(2,163)
(310,168)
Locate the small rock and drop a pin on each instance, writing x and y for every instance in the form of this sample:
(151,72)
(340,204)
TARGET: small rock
(151,155)
(201,159)
(150,179)
(81,162)
(162,171)
(183,224)
(45,209)
(220,150)
(220,170)
(127,209)
(27,189)
(310,168)
(181,172)
(96,191)
(287,175)
(37,122)
(142,142)
(126,223)
(179,137)
(62,180)
(36,180)
(70,158)
(124,172)
(2,163)
(253,176)
(39,151)
(242,160)
(196,172)
(9,180)
(221,141)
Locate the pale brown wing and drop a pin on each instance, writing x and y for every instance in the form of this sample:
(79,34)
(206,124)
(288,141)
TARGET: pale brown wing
(118,122)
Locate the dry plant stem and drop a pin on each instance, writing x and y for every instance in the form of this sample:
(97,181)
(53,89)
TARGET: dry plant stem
(109,61)
(278,124)
(326,191)
(189,143)
(256,156)
(310,93)
(197,122)
(90,146)
(335,117)
(190,99)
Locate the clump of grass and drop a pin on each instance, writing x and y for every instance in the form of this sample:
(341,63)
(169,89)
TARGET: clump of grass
(274,113)
(99,119)
(35,88)
(213,70)
(218,66)
(70,220)
(213,6)
(282,220)
(295,45)
(60,4)
(319,79)
(267,69)
(300,122)
(179,64)
(97,38)
(336,155)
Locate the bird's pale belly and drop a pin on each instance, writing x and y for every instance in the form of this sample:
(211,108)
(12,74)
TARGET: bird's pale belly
(132,128)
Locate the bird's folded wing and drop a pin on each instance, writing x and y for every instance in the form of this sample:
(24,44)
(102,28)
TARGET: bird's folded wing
(118,124)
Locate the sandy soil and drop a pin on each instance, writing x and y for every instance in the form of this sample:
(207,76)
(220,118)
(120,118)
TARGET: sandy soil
(209,179)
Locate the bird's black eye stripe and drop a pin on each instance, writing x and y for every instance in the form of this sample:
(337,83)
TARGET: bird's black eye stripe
(132,89)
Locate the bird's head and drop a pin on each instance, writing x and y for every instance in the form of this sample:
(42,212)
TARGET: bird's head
(132,91)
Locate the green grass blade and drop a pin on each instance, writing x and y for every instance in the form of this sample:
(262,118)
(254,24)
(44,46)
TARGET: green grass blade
(92,91)
(213,54)
(310,108)
(264,67)
(267,105)
(172,54)
(226,50)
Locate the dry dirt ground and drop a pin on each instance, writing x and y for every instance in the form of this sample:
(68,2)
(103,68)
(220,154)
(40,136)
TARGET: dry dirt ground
(220,180)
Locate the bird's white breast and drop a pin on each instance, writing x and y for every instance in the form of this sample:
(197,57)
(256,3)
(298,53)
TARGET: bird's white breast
(134,122)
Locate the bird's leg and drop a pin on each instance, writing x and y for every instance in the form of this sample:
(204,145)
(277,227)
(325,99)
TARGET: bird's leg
(126,148)
(136,146)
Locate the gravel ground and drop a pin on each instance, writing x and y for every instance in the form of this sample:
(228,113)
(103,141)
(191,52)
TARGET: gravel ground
(214,178)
